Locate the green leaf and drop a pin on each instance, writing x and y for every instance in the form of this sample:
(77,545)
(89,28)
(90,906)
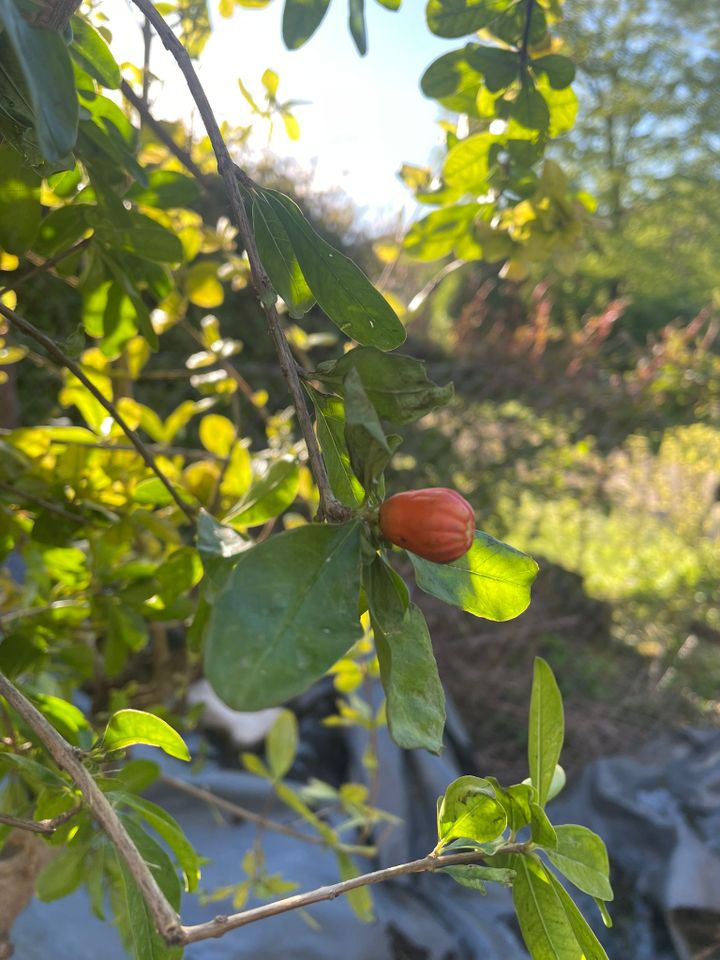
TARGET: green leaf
(32,772)
(470,810)
(515,801)
(563,107)
(93,54)
(588,942)
(278,258)
(281,744)
(369,449)
(340,287)
(499,67)
(301,18)
(156,858)
(166,189)
(543,921)
(530,110)
(272,631)
(64,716)
(19,202)
(138,234)
(63,874)
(330,425)
(492,580)
(270,81)
(357,26)
(132,913)
(48,73)
(203,287)
(61,228)
(415,701)
(390,4)
(456,18)
(415,698)
(475,876)
(509,22)
(467,164)
(559,70)
(217,434)
(171,832)
(604,912)
(360,899)
(582,857)
(219,547)
(268,496)
(397,385)
(452,80)
(441,231)
(152,491)
(126,727)
(546,729)
(543,832)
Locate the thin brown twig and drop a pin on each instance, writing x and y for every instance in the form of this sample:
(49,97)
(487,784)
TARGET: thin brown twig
(165,918)
(220,925)
(40,502)
(46,827)
(48,264)
(330,507)
(164,137)
(62,358)
(242,813)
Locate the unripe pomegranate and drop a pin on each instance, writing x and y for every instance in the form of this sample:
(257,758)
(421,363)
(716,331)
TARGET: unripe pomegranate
(436,523)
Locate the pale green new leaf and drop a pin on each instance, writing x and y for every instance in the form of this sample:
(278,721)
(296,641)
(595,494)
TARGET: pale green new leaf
(467,164)
(546,729)
(360,899)
(542,831)
(582,857)
(282,743)
(492,580)
(126,727)
(590,945)
(545,927)
(470,810)
(268,496)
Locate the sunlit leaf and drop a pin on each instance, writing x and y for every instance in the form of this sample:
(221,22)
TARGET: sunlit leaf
(491,580)
(126,727)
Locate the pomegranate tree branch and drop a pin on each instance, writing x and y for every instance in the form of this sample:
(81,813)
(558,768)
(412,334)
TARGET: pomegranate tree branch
(242,813)
(46,827)
(330,507)
(165,918)
(220,925)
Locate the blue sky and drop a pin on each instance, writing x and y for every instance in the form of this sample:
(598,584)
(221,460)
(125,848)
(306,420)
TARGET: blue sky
(366,114)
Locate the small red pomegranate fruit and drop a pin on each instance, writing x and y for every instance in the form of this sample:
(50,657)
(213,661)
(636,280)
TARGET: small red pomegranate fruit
(436,523)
